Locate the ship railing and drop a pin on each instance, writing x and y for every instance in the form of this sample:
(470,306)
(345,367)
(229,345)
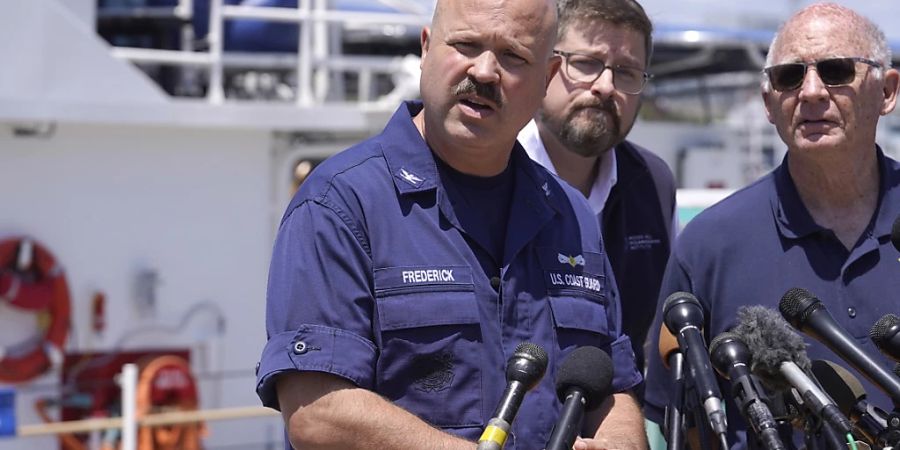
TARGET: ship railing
(131,420)
(314,62)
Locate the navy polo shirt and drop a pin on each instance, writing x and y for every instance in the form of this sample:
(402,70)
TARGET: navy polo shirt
(752,247)
(372,280)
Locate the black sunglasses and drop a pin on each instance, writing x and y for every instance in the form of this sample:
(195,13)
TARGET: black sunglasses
(832,72)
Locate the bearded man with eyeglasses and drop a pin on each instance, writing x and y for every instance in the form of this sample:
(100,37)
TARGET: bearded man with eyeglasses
(579,134)
(821,220)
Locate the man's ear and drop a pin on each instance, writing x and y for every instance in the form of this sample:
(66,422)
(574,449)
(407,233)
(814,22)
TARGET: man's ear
(424,41)
(891,85)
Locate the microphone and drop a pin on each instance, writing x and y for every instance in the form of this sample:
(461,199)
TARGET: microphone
(895,233)
(583,381)
(780,360)
(807,313)
(886,334)
(668,347)
(524,370)
(731,359)
(850,397)
(673,360)
(683,316)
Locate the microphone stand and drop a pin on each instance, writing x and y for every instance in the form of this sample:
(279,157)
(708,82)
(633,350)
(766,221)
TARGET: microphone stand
(698,417)
(817,431)
(891,435)
(831,437)
(684,412)
(674,426)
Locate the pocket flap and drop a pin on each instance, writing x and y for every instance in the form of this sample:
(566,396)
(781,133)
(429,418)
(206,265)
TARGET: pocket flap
(579,314)
(424,309)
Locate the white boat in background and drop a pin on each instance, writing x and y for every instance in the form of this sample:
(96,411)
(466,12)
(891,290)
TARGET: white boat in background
(163,207)
(156,177)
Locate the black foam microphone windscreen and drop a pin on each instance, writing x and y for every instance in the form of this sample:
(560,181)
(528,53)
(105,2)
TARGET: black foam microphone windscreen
(589,369)
(582,383)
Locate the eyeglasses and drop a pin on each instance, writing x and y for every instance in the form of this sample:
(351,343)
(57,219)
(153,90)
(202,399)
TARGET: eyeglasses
(832,71)
(587,69)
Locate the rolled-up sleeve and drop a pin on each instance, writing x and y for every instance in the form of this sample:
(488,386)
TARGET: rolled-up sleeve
(319,300)
(625,373)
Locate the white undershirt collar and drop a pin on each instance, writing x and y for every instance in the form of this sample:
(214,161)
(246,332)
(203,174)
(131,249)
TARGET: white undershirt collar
(607,176)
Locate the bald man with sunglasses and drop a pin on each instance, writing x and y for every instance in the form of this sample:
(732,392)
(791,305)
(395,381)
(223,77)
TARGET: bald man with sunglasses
(821,220)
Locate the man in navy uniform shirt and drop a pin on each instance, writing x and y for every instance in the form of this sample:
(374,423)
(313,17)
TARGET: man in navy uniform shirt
(822,219)
(408,268)
(579,134)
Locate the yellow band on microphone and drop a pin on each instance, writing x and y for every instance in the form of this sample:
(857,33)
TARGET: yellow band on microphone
(493,434)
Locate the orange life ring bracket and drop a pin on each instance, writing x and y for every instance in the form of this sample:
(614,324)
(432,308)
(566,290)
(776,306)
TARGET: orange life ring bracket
(31,279)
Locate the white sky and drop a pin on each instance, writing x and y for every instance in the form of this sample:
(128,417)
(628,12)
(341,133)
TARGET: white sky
(751,14)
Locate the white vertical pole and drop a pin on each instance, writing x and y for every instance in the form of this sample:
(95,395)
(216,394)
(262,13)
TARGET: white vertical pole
(129,406)
(320,52)
(304,57)
(215,36)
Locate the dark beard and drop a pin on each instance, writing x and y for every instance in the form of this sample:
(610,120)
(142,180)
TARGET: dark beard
(592,139)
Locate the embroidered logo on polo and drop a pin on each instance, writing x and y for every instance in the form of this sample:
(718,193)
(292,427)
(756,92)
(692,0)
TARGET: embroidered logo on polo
(410,177)
(642,242)
(436,372)
(573,261)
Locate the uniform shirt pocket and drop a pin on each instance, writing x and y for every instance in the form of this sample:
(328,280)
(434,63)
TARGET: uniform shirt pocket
(430,344)
(579,321)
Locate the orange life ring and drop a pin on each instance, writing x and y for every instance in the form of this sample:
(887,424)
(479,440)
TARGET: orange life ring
(38,286)
(166,384)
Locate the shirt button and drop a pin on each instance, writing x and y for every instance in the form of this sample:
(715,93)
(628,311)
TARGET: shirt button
(495,283)
(300,347)
(851,311)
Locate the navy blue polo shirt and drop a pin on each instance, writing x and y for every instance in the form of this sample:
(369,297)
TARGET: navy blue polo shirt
(752,247)
(372,280)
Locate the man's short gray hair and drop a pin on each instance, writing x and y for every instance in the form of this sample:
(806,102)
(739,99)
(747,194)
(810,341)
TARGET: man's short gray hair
(878,48)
